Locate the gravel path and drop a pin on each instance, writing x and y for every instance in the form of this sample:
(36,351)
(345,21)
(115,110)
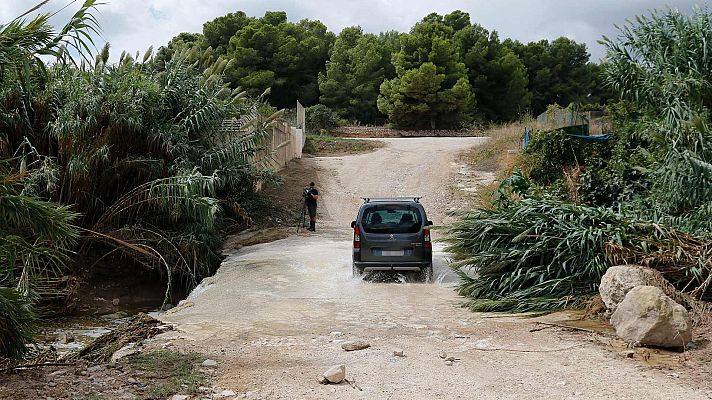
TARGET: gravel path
(275,315)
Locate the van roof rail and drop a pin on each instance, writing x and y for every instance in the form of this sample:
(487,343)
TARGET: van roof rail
(386,199)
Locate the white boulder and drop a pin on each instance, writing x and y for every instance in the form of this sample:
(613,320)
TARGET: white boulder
(335,374)
(618,280)
(647,316)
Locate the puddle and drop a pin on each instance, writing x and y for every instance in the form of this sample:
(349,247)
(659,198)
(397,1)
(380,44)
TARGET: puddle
(81,329)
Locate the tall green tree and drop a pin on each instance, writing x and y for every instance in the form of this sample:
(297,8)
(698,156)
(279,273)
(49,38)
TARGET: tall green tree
(431,89)
(558,72)
(273,53)
(357,66)
(498,77)
(219,31)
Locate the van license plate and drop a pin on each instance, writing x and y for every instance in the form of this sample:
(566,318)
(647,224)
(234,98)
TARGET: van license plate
(392,253)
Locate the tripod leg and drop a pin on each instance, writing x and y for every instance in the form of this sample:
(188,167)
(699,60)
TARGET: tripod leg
(300,221)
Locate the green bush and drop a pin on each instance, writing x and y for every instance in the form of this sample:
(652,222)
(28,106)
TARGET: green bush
(320,117)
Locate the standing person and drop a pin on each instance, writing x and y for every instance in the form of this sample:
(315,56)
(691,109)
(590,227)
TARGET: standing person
(312,196)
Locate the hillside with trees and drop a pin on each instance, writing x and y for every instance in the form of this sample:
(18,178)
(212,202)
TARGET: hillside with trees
(446,72)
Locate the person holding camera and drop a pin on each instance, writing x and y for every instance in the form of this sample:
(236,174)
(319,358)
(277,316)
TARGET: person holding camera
(311,195)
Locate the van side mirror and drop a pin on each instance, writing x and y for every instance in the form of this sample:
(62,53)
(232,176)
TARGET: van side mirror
(428,223)
(353,224)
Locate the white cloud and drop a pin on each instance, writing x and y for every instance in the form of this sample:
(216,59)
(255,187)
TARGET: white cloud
(134,25)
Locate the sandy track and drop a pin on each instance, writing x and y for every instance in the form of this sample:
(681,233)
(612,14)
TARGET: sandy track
(275,314)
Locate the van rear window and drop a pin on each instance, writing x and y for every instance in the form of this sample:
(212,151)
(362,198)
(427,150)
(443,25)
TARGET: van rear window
(391,218)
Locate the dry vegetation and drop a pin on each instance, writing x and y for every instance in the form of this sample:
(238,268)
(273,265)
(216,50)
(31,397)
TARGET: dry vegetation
(498,156)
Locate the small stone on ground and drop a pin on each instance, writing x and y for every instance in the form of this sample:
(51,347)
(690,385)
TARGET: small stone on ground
(335,374)
(356,345)
(210,363)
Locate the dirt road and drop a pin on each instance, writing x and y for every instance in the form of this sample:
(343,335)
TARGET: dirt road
(275,315)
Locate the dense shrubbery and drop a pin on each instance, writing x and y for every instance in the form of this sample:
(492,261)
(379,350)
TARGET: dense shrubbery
(320,118)
(645,197)
(129,150)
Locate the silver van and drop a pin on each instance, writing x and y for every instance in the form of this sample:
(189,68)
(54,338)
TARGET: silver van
(392,234)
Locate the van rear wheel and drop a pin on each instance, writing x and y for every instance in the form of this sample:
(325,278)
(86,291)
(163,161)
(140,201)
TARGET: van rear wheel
(427,273)
(356,271)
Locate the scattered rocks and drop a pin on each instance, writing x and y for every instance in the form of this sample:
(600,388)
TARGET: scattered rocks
(52,384)
(398,353)
(115,302)
(133,381)
(443,355)
(448,363)
(618,281)
(357,345)
(451,359)
(65,337)
(210,363)
(335,374)
(180,397)
(228,393)
(648,317)
(629,353)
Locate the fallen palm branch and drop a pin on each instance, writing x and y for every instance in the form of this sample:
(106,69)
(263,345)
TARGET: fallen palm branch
(543,254)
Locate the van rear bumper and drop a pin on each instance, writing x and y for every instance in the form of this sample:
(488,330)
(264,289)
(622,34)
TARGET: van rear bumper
(400,266)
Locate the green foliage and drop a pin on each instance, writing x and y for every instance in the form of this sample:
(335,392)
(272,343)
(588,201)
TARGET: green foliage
(559,72)
(320,117)
(419,99)
(358,64)
(662,64)
(544,253)
(498,77)
(132,147)
(431,89)
(35,236)
(16,323)
(540,254)
(272,53)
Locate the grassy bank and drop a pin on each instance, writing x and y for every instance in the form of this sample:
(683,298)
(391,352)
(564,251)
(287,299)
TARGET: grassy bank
(323,145)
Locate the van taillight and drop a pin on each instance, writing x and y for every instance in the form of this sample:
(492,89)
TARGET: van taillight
(357,238)
(426,238)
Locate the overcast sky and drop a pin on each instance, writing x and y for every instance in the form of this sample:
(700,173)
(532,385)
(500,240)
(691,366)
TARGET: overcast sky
(137,24)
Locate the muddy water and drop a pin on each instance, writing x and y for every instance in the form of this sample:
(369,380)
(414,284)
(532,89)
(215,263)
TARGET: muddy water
(83,329)
(304,284)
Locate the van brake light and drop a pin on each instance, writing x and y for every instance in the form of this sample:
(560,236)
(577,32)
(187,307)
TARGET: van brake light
(357,238)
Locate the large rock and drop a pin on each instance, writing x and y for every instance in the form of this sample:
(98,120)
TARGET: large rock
(648,317)
(335,374)
(127,350)
(618,280)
